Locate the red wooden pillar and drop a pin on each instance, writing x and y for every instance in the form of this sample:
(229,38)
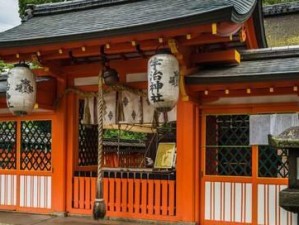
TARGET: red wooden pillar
(187,162)
(59,153)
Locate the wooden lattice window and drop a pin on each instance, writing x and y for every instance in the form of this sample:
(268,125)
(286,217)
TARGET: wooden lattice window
(273,162)
(227,146)
(36,145)
(8,133)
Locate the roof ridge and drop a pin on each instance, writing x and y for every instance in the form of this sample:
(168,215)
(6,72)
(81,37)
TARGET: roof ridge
(72,5)
(270,53)
(281,8)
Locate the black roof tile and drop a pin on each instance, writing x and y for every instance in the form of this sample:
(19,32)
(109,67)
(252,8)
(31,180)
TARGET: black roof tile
(280,63)
(86,19)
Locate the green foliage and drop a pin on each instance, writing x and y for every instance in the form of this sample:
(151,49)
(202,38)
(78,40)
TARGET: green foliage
(23,3)
(271,2)
(124,135)
(4,66)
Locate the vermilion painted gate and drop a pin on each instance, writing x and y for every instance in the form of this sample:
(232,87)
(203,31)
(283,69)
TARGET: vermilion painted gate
(241,183)
(26,164)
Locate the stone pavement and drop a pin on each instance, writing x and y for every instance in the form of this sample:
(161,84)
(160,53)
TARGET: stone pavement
(14,218)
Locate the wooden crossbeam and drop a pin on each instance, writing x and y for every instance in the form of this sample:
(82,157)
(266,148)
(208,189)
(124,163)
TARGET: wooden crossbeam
(227,56)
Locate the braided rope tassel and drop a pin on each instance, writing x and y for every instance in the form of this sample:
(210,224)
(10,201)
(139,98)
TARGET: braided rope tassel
(99,209)
(100,131)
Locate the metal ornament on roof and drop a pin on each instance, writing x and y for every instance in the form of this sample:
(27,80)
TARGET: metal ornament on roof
(163,81)
(21,90)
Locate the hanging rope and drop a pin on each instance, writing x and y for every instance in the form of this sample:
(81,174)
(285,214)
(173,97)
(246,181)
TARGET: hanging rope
(99,209)
(100,135)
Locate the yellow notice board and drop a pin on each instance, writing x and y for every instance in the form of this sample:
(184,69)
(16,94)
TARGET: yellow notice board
(165,156)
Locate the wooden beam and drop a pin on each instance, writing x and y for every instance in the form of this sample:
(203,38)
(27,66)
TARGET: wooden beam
(204,39)
(227,56)
(236,86)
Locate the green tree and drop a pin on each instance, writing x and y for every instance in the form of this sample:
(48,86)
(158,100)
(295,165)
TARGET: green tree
(23,3)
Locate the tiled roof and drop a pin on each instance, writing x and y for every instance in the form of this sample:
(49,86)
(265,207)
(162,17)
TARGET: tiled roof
(281,9)
(86,19)
(257,65)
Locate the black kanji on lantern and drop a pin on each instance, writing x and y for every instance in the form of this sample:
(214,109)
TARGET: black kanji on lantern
(174,80)
(24,86)
(155,80)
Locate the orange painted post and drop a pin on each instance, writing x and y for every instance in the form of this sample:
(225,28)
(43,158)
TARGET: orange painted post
(157,197)
(186,159)
(171,199)
(87,193)
(118,194)
(81,192)
(93,189)
(59,162)
(198,178)
(255,184)
(137,196)
(105,189)
(124,195)
(150,203)
(71,146)
(165,195)
(130,195)
(111,193)
(76,193)
(144,196)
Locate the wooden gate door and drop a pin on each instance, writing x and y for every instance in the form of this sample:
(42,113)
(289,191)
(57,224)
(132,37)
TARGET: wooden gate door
(25,165)
(241,183)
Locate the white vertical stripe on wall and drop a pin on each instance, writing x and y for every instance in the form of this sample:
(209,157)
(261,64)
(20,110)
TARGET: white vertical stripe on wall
(49,192)
(15,190)
(7,189)
(261,206)
(28,191)
(42,192)
(35,191)
(230,202)
(2,183)
(207,200)
(227,203)
(269,212)
(217,200)
(22,191)
(238,202)
(248,217)
(272,206)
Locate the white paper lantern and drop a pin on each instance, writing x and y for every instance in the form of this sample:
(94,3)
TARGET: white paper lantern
(163,81)
(21,90)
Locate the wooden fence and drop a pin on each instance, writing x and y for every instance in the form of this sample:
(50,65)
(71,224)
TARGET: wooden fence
(132,195)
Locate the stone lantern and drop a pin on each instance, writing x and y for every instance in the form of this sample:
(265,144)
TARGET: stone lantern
(289,139)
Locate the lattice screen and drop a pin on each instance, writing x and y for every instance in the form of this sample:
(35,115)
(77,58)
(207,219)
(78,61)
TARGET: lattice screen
(228,151)
(8,133)
(36,145)
(88,141)
(273,162)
